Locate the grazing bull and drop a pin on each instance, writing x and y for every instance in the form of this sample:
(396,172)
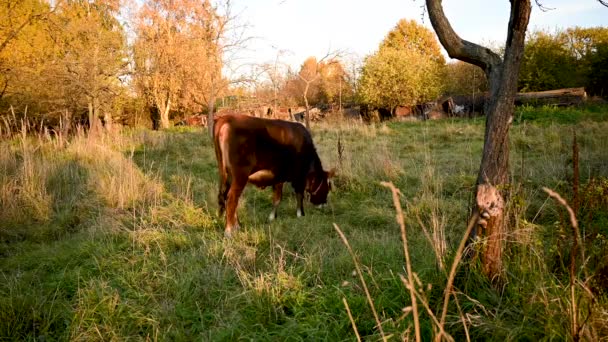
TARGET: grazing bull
(266,152)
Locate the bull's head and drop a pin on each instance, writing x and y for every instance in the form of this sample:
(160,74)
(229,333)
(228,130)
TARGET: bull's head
(319,185)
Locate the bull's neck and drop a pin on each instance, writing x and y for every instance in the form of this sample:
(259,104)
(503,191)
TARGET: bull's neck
(315,163)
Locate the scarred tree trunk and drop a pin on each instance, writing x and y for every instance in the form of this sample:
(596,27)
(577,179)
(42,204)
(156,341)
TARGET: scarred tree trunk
(210,114)
(502,74)
(210,110)
(163,104)
(164,114)
(307,114)
(94,122)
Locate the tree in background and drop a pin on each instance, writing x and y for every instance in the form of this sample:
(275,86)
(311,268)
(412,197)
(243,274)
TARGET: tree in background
(276,74)
(227,38)
(352,73)
(175,54)
(409,35)
(334,86)
(19,15)
(547,63)
(24,46)
(181,51)
(564,59)
(597,79)
(406,69)
(309,75)
(587,46)
(316,81)
(92,56)
(66,64)
(464,78)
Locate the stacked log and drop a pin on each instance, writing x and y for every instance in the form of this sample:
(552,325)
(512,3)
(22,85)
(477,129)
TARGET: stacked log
(474,104)
(558,97)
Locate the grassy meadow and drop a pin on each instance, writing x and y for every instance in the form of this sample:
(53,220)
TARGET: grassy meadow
(114,236)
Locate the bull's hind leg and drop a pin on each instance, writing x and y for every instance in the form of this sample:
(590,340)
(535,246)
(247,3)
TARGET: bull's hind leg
(277,194)
(222,195)
(235,191)
(299,190)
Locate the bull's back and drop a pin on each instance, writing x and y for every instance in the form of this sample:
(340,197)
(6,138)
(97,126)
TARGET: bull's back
(267,141)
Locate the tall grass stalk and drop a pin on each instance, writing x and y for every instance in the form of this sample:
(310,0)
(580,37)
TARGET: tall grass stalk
(408,262)
(352,320)
(577,326)
(363,283)
(113,235)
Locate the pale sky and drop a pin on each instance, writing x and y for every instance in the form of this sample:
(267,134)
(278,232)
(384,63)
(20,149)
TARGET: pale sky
(313,27)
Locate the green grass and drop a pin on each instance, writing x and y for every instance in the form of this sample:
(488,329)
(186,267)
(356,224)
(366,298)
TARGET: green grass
(115,236)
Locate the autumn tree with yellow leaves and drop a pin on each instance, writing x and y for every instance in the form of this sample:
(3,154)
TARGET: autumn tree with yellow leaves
(57,63)
(406,69)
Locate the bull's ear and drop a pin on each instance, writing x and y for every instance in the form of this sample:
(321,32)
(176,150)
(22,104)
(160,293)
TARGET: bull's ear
(331,173)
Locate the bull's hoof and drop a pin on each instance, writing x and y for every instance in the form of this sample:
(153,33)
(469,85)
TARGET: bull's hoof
(230,230)
(272,216)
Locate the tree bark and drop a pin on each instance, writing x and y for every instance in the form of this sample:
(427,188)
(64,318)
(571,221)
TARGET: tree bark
(502,74)
(164,114)
(91,115)
(211,107)
(107,118)
(210,113)
(94,122)
(307,114)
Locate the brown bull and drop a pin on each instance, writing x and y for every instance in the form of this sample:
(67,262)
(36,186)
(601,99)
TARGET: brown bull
(265,153)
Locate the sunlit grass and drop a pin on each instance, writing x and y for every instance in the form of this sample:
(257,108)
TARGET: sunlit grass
(115,236)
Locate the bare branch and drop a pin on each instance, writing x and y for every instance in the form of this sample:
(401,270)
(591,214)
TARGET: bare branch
(543,7)
(30,19)
(457,47)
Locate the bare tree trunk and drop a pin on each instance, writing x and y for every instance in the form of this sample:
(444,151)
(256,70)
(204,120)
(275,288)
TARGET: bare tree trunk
(94,122)
(210,108)
(210,114)
(66,122)
(107,118)
(493,176)
(340,97)
(91,115)
(164,114)
(274,103)
(307,114)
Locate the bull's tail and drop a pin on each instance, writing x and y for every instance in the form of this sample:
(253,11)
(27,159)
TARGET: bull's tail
(216,143)
(220,142)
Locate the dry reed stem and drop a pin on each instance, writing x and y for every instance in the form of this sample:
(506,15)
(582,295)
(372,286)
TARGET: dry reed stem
(575,247)
(455,263)
(363,283)
(431,241)
(352,320)
(575,173)
(462,318)
(424,303)
(408,263)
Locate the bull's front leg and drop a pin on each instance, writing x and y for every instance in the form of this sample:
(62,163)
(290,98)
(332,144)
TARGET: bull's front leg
(232,223)
(277,195)
(300,203)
